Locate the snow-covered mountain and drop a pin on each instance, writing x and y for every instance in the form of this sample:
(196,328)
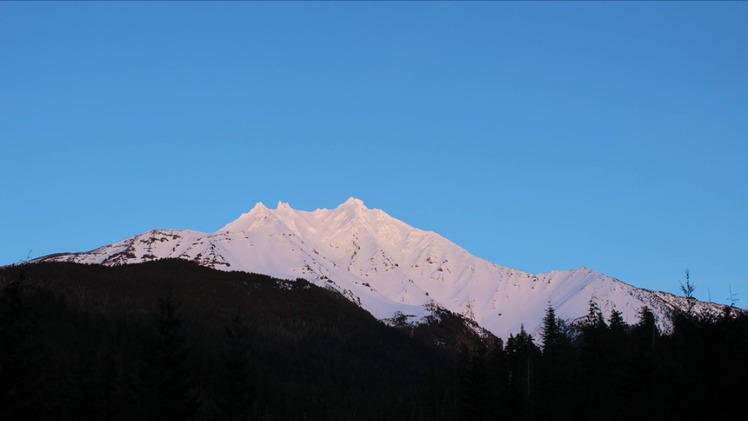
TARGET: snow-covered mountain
(388,267)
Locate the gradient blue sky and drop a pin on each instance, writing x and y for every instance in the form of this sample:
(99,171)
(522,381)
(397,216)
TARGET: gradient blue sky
(538,136)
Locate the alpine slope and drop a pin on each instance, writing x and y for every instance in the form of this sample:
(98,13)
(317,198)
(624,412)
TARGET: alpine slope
(390,268)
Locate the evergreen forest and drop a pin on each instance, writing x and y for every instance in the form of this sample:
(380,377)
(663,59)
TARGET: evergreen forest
(171,340)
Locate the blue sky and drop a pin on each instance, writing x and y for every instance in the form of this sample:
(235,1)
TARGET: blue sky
(538,136)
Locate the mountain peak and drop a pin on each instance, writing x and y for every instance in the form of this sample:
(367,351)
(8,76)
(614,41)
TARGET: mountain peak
(352,207)
(354,203)
(246,220)
(259,206)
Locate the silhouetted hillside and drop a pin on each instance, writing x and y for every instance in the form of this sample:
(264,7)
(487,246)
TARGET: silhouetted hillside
(89,337)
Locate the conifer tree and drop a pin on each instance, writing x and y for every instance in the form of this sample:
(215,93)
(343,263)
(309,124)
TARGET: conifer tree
(594,363)
(475,385)
(617,351)
(595,317)
(616,323)
(556,370)
(168,389)
(550,335)
(646,331)
(641,386)
(237,395)
(17,372)
(522,358)
(688,288)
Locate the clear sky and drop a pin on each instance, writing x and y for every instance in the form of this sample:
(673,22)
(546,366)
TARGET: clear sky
(538,136)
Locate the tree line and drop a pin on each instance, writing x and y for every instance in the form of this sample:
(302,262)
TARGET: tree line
(600,368)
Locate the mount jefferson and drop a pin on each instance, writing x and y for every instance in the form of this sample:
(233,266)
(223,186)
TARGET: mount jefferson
(389,268)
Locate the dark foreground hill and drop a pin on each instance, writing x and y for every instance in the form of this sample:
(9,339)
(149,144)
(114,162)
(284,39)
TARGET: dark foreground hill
(151,340)
(172,340)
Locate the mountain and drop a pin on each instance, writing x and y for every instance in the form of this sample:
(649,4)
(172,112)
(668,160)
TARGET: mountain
(389,268)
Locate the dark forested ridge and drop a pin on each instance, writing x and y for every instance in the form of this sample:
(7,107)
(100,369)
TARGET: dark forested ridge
(173,340)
